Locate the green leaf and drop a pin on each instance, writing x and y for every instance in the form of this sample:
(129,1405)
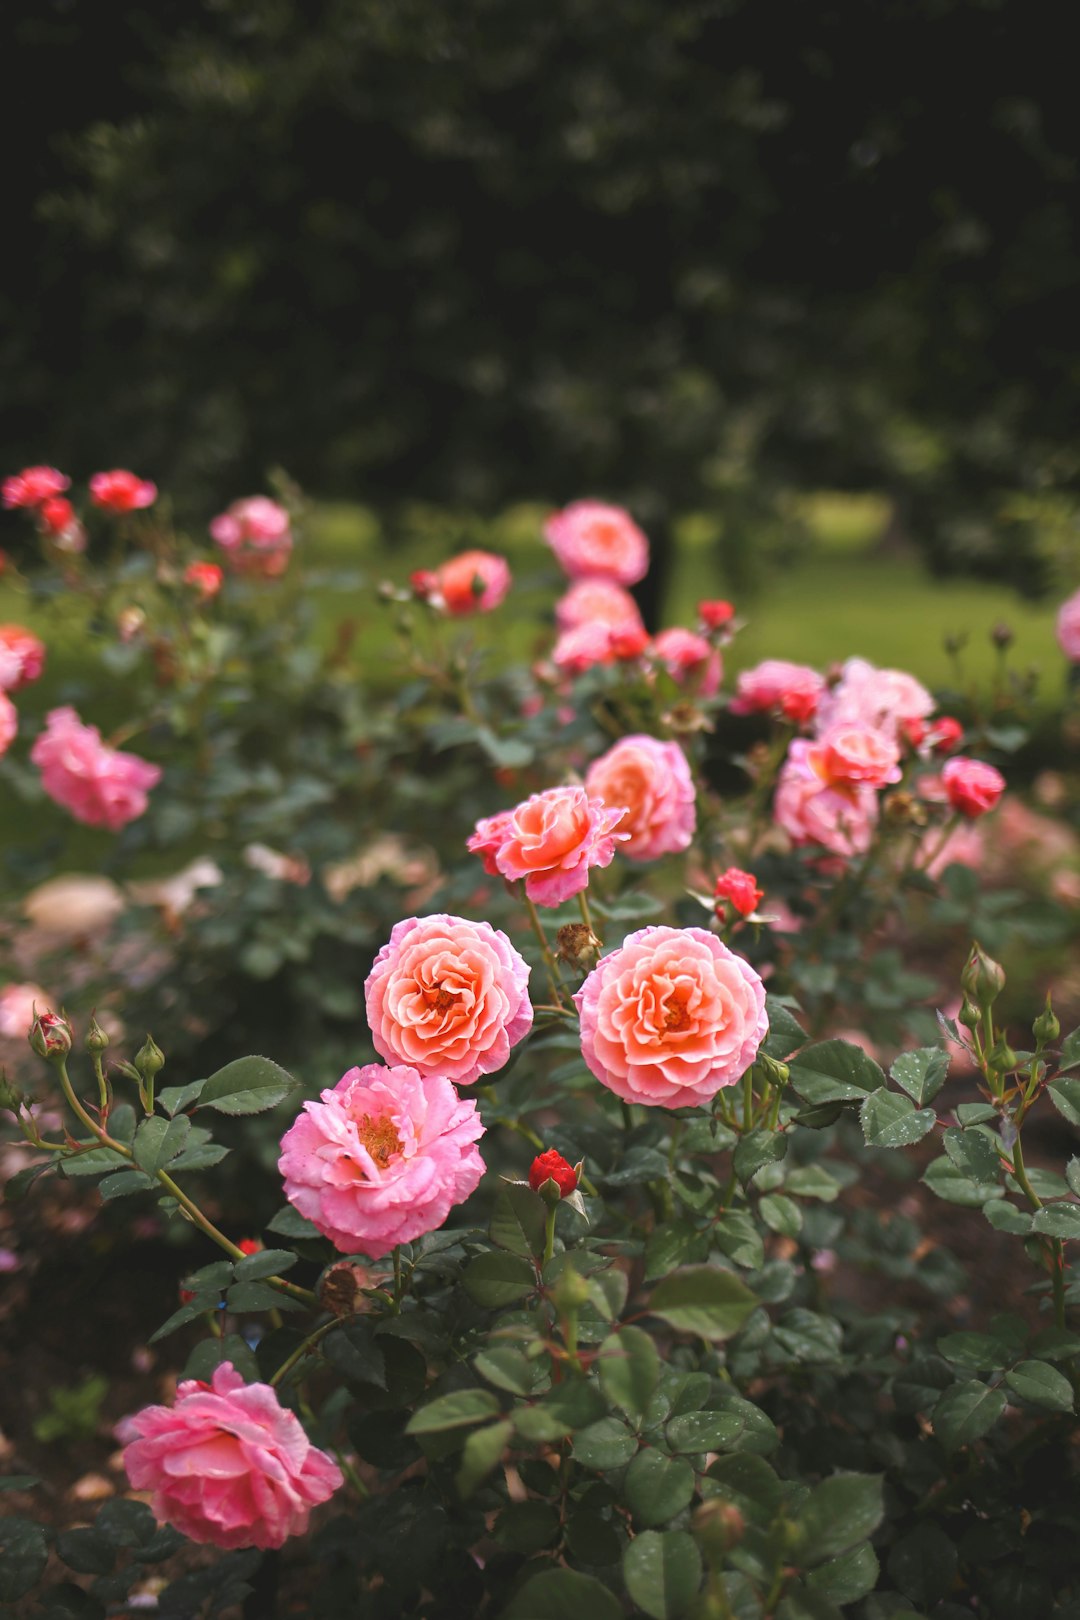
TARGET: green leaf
(1065,1096)
(482,1453)
(628,907)
(1042,1385)
(736,1235)
(629,1369)
(695,1432)
(265,1263)
(944,1179)
(158,1141)
(813,1181)
(1005,1217)
(23,1556)
(456,1411)
(803,1603)
(525,1527)
(973,1153)
(657,1487)
(966,1412)
(507,1368)
(781,1215)
(1070,1051)
(921,1073)
(923,1564)
(848,1578)
(289,1222)
(352,1350)
(756,1149)
(662,1571)
(605,1445)
(809,1337)
(975,1352)
(1056,1344)
(563,1594)
(86,1551)
(173,1098)
(890,1120)
(18,1482)
(123,1183)
(1058,1220)
(836,1516)
(976,1113)
(834,1071)
(494,1280)
(248,1085)
(568,1407)
(672,1244)
(704,1300)
(258,1296)
(519,1220)
(785,1032)
(1072,1175)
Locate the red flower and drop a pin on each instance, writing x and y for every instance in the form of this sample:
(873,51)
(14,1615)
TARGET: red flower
(972,787)
(628,641)
(121,491)
(714,615)
(249,1246)
(740,890)
(206,577)
(33,486)
(551,1166)
(424,583)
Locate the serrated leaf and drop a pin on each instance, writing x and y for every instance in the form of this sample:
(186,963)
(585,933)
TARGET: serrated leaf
(837,1515)
(456,1411)
(493,1280)
(289,1222)
(890,1119)
(629,1369)
(264,1263)
(158,1141)
(1005,1217)
(975,1352)
(1065,1096)
(258,1296)
(756,1149)
(834,1071)
(812,1181)
(248,1085)
(1070,1051)
(1058,1220)
(781,1215)
(482,1453)
(921,1073)
(704,1300)
(123,1183)
(507,1369)
(848,1578)
(662,1571)
(786,1034)
(944,1179)
(695,1432)
(519,1220)
(568,1407)
(749,1482)
(173,1098)
(966,1412)
(605,1445)
(1042,1385)
(973,1153)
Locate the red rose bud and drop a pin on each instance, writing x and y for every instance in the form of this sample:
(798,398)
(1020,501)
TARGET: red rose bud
(56,515)
(714,615)
(551,1166)
(249,1246)
(627,642)
(50,1036)
(944,734)
(971,787)
(913,730)
(740,890)
(204,577)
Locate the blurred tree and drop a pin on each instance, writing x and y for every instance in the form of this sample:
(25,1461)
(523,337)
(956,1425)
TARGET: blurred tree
(681,253)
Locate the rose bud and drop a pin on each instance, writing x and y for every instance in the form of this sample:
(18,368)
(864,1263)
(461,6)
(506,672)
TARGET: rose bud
(714,615)
(551,1167)
(972,787)
(50,1036)
(740,890)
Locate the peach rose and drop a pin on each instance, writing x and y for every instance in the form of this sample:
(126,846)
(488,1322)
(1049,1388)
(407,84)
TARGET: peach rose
(582,648)
(596,601)
(449,997)
(849,753)
(474,582)
(689,659)
(551,840)
(671,1017)
(840,819)
(592,540)
(652,781)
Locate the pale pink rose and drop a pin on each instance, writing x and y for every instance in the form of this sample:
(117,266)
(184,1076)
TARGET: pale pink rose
(1068,627)
(810,812)
(671,1017)
(965,846)
(448,996)
(689,659)
(228,1464)
(653,783)
(382,1158)
(551,840)
(597,601)
(850,753)
(33,486)
(17,1009)
(592,540)
(22,657)
(582,648)
(99,785)
(971,786)
(122,491)
(779,687)
(884,698)
(255,535)
(9,722)
(474,582)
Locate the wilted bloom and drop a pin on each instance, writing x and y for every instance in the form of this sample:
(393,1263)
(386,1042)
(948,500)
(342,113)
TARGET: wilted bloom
(256,536)
(9,722)
(779,687)
(18,1004)
(448,996)
(551,840)
(551,1166)
(841,819)
(474,582)
(122,491)
(382,1158)
(32,486)
(599,602)
(884,698)
(593,540)
(1068,627)
(850,753)
(671,1017)
(99,785)
(689,659)
(740,890)
(204,577)
(971,786)
(228,1464)
(714,615)
(652,782)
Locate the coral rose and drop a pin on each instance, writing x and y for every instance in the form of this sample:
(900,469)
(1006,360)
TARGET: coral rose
(1068,627)
(382,1158)
(592,540)
(740,890)
(811,812)
(99,785)
(122,491)
(597,601)
(671,1017)
(849,753)
(971,787)
(652,782)
(9,722)
(689,659)
(884,698)
(474,582)
(22,657)
(228,1464)
(779,687)
(448,996)
(32,486)
(551,840)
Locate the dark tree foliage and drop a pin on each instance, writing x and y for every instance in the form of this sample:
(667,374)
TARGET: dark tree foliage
(683,253)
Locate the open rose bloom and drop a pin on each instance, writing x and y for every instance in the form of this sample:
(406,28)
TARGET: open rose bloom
(653,783)
(671,1017)
(473,582)
(255,535)
(122,491)
(597,602)
(882,698)
(839,816)
(228,1464)
(99,785)
(22,657)
(32,487)
(779,687)
(594,541)
(382,1158)
(448,996)
(551,841)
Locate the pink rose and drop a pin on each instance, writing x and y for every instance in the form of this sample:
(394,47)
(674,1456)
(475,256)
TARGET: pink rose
(17,1009)
(490,831)
(671,1017)
(689,659)
(448,996)
(9,722)
(597,601)
(1068,627)
(778,687)
(591,540)
(382,1158)
(884,698)
(58,519)
(255,534)
(848,754)
(22,657)
(228,1464)
(582,648)
(121,491)
(811,812)
(551,840)
(101,786)
(971,787)
(474,582)
(652,782)
(32,486)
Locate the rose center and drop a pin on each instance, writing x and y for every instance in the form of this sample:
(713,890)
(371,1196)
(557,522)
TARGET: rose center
(379,1137)
(442,999)
(676,1016)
